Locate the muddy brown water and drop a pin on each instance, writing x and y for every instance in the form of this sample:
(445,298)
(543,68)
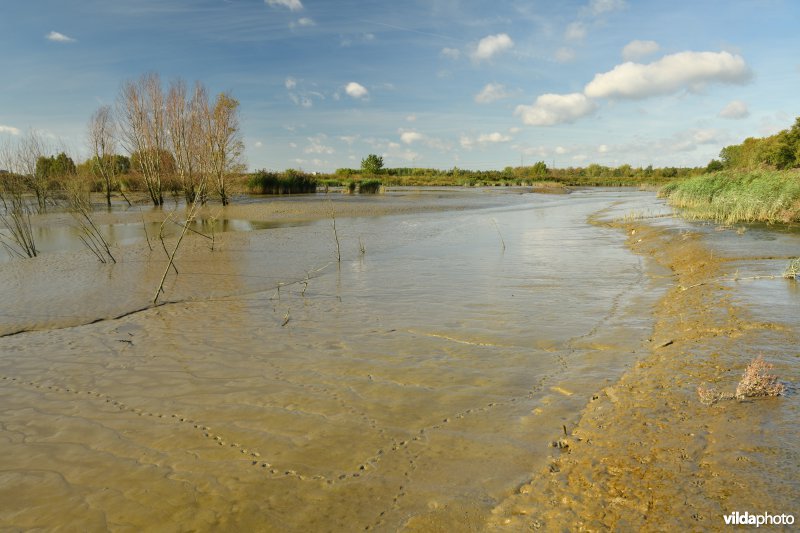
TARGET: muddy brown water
(417,386)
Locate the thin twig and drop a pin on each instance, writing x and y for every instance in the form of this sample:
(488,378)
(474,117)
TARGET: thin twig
(499,234)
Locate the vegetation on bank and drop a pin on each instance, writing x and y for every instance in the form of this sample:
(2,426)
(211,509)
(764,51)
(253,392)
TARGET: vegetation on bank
(738,196)
(755,181)
(289,182)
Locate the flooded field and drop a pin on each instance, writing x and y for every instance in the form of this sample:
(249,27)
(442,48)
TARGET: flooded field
(416,385)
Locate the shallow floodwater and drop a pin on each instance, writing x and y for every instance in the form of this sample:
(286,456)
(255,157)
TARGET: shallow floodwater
(412,385)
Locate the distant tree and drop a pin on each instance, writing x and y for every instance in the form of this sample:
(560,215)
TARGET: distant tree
(185,128)
(539,169)
(224,147)
(102,142)
(372,164)
(714,165)
(142,124)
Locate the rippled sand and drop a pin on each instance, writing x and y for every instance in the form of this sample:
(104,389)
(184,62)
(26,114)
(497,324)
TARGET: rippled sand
(417,386)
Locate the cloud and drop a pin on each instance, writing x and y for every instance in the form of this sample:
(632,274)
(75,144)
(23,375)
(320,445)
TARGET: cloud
(302,22)
(356,90)
(491,92)
(258,144)
(494,137)
(294,5)
(735,109)
(638,49)
(669,74)
(317,145)
(451,53)
(409,137)
(9,129)
(564,55)
(484,139)
(59,37)
(598,7)
(411,118)
(551,109)
(575,31)
(290,83)
(492,45)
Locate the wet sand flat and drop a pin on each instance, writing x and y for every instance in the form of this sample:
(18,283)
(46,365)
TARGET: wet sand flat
(416,386)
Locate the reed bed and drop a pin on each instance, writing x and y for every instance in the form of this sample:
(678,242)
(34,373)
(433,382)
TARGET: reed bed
(289,182)
(728,197)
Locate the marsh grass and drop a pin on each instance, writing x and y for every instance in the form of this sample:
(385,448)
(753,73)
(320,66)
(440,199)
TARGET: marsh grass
(289,182)
(369,187)
(729,197)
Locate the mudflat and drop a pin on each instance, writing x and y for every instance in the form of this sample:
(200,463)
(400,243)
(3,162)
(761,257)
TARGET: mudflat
(416,385)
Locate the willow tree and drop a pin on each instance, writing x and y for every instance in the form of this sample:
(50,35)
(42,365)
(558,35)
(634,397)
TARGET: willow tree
(185,127)
(102,142)
(142,124)
(223,143)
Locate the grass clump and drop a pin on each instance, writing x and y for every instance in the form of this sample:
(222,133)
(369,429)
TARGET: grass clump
(729,197)
(288,182)
(369,187)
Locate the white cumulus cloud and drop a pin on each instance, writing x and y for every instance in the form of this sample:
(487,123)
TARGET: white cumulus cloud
(735,109)
(290,83)
(494,137)
(409,137)
(356,90)
(317,145)
(491,92)
(669,74)
(492,45)
(638,49)
(483,139)
(59,37)
(551,109)
(294,5)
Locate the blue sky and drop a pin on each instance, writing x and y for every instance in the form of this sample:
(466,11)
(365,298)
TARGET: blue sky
(437,83)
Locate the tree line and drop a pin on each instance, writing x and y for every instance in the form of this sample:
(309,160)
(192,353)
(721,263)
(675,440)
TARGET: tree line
(172,137)
(780,151)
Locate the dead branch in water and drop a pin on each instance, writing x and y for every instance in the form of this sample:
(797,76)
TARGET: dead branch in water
(499,234)
(720,280)
(335,234)
(90,234)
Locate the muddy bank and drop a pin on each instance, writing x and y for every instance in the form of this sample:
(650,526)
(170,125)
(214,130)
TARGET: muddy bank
(646,454)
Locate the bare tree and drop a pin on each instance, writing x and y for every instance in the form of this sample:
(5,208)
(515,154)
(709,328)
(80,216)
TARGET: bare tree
(184,124)
(102,142)
(224,144)
(143,129)
(24,158)
(15,213)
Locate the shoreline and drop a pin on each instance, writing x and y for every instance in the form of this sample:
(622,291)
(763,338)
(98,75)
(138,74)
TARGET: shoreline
(646,454)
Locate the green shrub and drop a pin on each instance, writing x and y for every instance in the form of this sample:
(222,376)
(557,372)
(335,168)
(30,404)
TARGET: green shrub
(369,187)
